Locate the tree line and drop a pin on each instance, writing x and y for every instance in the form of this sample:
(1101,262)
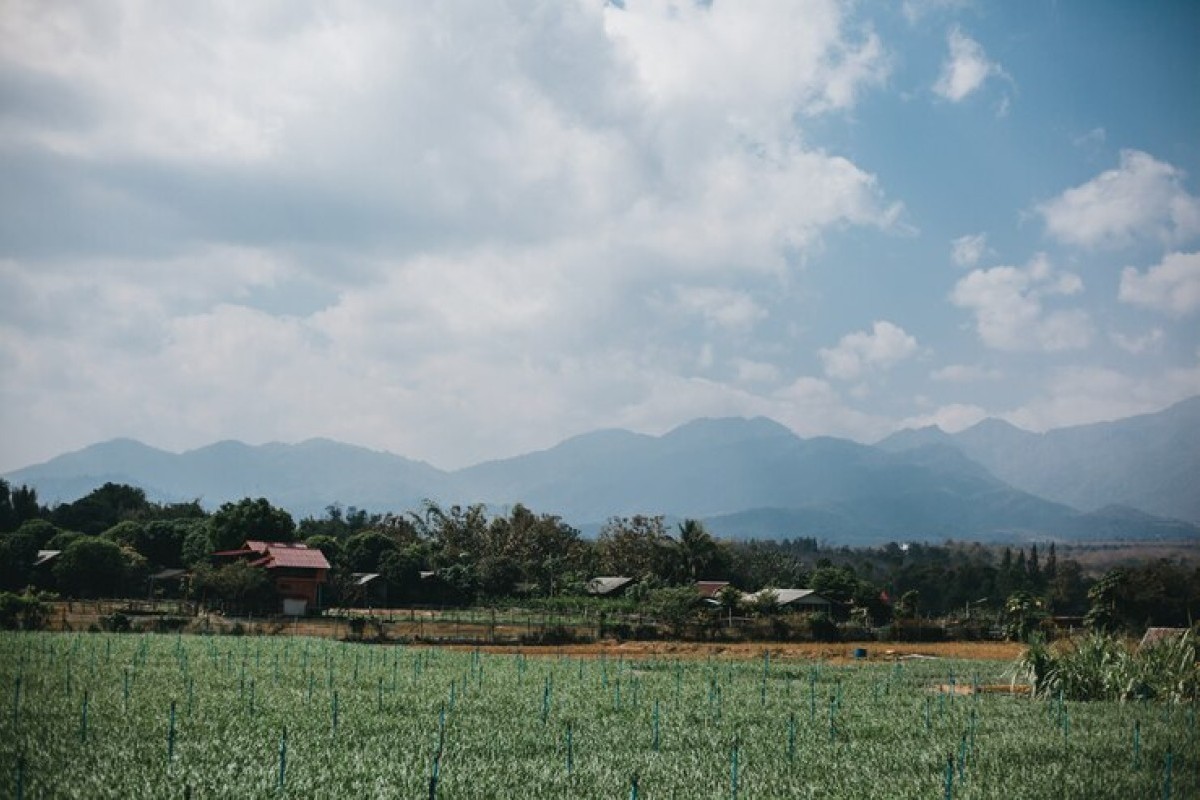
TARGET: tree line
(113,539)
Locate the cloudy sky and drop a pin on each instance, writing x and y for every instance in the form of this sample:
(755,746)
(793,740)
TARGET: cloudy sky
(461,230)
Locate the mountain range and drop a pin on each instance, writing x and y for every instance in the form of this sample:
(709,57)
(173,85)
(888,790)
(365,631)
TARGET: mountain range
(746,478)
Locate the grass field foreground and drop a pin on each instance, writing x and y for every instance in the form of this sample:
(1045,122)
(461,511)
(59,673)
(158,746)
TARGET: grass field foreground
(141,716)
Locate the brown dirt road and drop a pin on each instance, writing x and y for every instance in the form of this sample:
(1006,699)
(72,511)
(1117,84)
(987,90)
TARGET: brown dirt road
(793,651)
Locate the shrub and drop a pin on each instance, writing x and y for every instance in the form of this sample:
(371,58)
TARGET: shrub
(1100,666)
(822,628)
(25,611)
(116,623)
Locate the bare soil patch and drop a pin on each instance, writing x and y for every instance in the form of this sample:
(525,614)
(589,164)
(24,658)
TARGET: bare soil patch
(798,651)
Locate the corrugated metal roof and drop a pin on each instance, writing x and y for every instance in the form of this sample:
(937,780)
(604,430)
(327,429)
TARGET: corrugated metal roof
(288,555)
(788,596)
(295,556)
(607,584)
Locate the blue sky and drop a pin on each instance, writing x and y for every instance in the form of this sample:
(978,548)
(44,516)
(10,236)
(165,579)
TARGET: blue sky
(460,231)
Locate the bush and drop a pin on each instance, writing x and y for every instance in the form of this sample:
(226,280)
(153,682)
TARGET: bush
(116,623)
(25,611)
(822,628)
(1102,667)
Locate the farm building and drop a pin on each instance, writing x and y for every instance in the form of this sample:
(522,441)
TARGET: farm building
(793,599)
(298,571)
(609,585)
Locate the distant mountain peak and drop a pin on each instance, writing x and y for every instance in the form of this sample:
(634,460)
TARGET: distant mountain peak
(725,428)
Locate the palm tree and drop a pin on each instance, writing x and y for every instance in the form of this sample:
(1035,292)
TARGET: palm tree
(697,547)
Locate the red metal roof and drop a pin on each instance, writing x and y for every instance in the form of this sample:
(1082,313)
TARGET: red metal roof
(296,556)
(290,555)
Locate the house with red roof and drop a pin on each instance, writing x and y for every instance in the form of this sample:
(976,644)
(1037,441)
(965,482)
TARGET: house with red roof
(298,571)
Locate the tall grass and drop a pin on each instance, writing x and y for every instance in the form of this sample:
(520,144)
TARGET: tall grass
(1100,666)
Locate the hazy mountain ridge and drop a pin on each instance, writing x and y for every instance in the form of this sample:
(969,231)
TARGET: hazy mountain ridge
(747,477)
(1149,462)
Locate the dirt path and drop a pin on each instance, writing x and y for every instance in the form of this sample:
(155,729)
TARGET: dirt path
(800,651)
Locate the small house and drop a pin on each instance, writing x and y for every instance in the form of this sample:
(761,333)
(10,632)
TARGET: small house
(299,572)
(793,599)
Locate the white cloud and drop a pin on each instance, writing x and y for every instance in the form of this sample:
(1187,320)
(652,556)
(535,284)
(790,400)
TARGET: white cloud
(1136,345)
(1172,287)
(1082,395)
(1142,198)
(965,373)
(966,251)
(862,351)
(434,228)
(755,372)
(950,418)
(1008,306)
(725,308)
(965,69)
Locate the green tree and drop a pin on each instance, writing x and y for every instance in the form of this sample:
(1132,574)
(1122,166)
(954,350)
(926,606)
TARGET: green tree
(638,546)
(328,545)
(237,586)
(234,523)
(401,569)
(1022,613)
(700,552)
(362,551)
(17,506)
(766,603)
(907,605)
(18,552)
(92,567)
(673,605)
(40,531)
(101,509)
(1102,614)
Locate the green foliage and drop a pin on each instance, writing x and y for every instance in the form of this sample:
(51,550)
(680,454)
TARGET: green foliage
(234,523)
(1022,614)
(765,603)
(159,542)
(41,531)
(101,509)
(822,627)
(17,506)
(674,605)
(237,586)
(26,611)
(1101,666)
(93,567)
(18,552)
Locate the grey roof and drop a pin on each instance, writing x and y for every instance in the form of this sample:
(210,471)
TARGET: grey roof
(786,597)
(607,584)
(363,578)
(46,555)
(168,574)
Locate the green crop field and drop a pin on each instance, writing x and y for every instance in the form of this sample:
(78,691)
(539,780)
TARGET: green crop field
(127,716)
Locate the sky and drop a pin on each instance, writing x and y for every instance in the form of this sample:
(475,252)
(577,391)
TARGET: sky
(460,231)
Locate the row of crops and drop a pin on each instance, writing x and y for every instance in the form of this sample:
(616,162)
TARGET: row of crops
(94,716)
